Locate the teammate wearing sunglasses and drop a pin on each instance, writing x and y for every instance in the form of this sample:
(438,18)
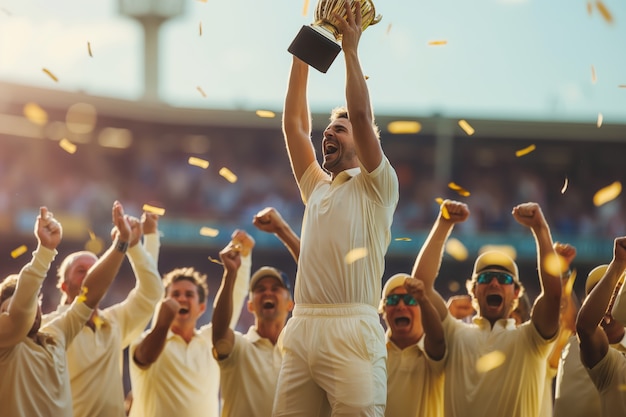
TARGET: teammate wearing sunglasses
(493,367)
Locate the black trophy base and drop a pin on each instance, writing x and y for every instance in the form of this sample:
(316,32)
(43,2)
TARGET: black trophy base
(314,48)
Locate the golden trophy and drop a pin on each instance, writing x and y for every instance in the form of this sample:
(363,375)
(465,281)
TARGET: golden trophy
(318,43)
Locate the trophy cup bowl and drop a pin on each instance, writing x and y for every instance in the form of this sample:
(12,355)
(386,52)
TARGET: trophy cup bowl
(317,44)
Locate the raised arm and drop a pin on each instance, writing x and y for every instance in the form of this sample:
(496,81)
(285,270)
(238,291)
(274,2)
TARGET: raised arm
(434,340)
(269,220)
(223,335)
(244,243)
(103,272)
(297,120)
(545,312)
(148,350)
(151,238)
(429,259)
(594,343)
(16,319)
(358,102)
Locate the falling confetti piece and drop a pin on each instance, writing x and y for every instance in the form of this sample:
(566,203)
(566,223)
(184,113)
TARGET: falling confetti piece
(89,49)
(454,286)
(403,239)
(201,91)
(215,261)
(17,252)
(621,86)
(154,210)
(50,74)
(404,127)
(456,249)
(594,78)
(95,245)
(355,254)
(388,28)
(35,114)
(565,186)
(460,190)
(67,146)
(200,29)
(208,231)
(266,114)
(444,212)
(92,235)
(305,7)
(525,151)
(439,200)
(490,361)
(589,8)
(198,162)
(466,127)
(600,119)
(569,285)
(228,175)
(606,14)
(607,194)
(83,295)
(555,264)
(437,43)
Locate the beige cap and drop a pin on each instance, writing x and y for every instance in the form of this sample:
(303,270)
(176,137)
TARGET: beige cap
(268,271)
(496,260)
(392,283)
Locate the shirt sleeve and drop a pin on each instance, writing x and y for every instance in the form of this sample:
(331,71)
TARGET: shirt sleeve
(241,288)
(381,185)
(17,321)
(313,175)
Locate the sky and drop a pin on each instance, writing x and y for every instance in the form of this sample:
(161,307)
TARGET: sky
(503,59)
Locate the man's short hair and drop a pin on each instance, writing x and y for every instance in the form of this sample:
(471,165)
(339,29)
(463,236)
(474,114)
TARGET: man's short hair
(191,275)
(341,112)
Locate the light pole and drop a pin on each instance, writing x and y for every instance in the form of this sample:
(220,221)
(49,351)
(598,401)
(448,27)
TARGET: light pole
(151,14)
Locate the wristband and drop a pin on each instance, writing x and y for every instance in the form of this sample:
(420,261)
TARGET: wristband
(121,246)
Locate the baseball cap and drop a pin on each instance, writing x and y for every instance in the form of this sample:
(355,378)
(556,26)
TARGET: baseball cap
(392,283)
(594,276)
(496,260)
(268,271)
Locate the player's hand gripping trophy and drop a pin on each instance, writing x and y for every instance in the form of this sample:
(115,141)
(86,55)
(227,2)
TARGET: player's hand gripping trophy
(318,43)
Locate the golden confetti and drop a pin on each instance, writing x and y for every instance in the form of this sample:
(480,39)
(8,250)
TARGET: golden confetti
(19,251)
(403,239)
(525,151)
(215,261)
(98,322)
(92,235)
(89,49)
(621,86)
(305,7)
(594,78)
(388,28)
(437,43)
(444,212)
(565,186)
(200,29)
(454,286)
(355,254)
(404,127)
(555,264)
(201,91)
(208,231)
(606,14)
(439,200)
(608,193)
(228,175)
(456,249)
(466,127)
(569,285)
(95,245)
(153,209)
(266,114)
(600,118)
(589,8)
(460,190)
(490,361)
(198,162)
(67,146)
(83,295)
(34,113)
(50,74)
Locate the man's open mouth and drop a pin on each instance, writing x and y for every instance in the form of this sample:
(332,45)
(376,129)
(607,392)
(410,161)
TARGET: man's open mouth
(494,300)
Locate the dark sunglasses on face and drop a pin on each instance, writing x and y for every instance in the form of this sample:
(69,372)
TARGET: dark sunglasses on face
(394,299)
(502,277)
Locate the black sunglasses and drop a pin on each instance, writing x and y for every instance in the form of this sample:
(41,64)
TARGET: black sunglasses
(394,299)
(502,277)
